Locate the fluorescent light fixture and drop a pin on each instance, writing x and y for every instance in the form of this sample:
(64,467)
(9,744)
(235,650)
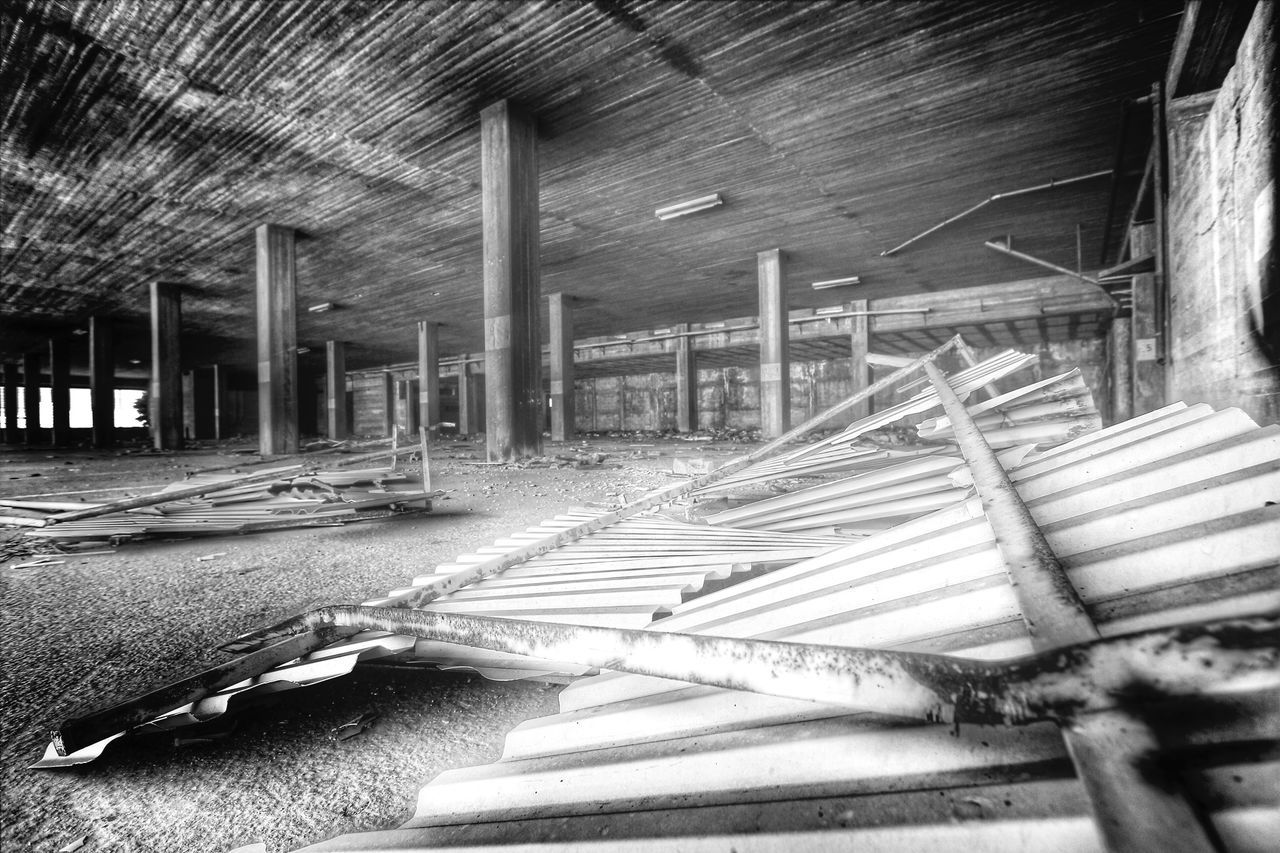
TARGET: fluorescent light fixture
(303,350)
(837,282)
(684,208)
(321,308)
(834,309)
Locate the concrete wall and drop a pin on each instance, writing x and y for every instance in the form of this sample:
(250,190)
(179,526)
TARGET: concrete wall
(1225,340)
(728,398)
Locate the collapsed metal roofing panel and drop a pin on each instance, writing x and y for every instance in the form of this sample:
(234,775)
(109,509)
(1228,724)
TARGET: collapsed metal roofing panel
(1159,521)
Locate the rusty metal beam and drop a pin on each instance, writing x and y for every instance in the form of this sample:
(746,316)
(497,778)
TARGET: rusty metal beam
(1061,685)
(1136,804)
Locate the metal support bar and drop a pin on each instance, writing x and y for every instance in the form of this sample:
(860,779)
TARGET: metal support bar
(1135,803)
(1032,259)
(1060,685)
(962,214)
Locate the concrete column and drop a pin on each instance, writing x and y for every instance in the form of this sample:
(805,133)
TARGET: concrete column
(11,433)
(204,403)
(166,366)
(277,340)
(335,390)
(60,389)
(513,349)
(388,403)
(563,419)
(428,374)
(102,381)
(470,396)
(221,403)
(1148,369)
(686,382)
(1120,355)
(860,344)
(31,396)
(188,405)
(775,364)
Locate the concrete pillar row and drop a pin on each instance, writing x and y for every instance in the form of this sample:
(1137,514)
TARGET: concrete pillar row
(31,397)
(335,390)
(60,390)
(686,381)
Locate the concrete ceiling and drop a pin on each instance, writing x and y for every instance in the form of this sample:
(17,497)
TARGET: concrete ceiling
(145,140)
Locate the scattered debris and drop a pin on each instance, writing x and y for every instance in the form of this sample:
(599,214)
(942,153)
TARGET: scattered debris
(350,729)
(219,503)
(208,557)
(75,845)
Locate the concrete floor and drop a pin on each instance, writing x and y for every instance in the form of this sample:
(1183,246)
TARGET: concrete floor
(101,628)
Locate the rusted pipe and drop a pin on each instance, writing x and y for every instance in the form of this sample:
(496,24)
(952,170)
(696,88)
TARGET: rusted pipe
(1010,194)
(1060,685)
(1136,805)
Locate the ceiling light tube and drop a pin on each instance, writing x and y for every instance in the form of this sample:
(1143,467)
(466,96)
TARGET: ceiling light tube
(686,207)
(837,282)
(321,308)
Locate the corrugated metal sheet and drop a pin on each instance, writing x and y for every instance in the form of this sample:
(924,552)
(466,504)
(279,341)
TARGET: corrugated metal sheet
(1044,414)
(1166,519)
(623,576)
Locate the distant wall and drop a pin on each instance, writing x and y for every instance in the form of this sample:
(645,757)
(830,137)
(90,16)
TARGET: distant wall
(729,397)
(1225,315)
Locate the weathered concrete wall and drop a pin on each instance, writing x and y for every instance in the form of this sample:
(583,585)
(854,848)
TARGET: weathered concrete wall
(1225,335)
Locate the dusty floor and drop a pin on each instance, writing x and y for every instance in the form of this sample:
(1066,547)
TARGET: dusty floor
(98,628)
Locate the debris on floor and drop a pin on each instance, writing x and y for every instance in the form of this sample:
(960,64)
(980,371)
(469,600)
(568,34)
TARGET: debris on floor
(211,504)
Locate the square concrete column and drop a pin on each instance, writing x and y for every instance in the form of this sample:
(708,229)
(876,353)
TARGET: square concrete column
(1120,357)
(859,345)
(60,389)
(221,403)
(686,381)
(102,381)
(563,421)
(335,390)
(1147,371)
(470,397)
(204,403)
(428,374)
(277,340)
(513,347)
(775,363)
(31,397)
(12,435)
(166,367)
(388,403)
